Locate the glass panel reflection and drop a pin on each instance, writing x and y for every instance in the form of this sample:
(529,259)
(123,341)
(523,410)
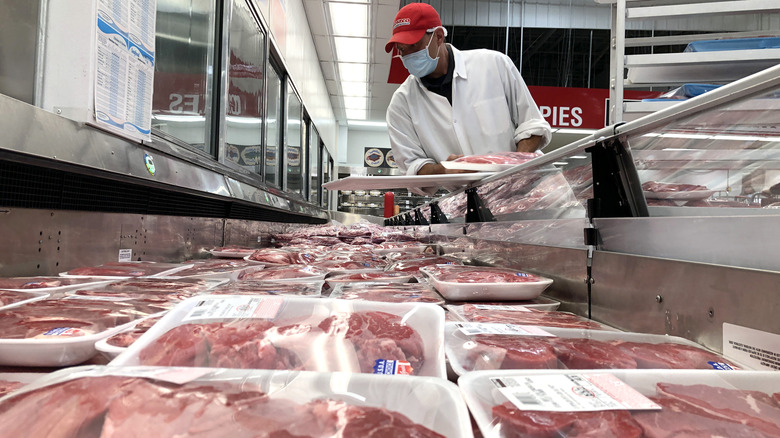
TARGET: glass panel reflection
(293,152)
(244,121)
(184,49)
(727,157)
(326,175)
(272,133)
(314,165)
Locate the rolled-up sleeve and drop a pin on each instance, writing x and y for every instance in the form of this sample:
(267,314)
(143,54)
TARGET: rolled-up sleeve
(525,113)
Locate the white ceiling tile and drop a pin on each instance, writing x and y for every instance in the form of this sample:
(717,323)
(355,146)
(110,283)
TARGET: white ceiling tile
(315,14)
(324,48)
(328,70)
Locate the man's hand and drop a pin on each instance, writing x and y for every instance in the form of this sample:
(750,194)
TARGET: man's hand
(530,144)
(438,169)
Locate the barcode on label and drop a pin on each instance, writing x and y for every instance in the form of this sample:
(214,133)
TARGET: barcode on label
(197,313)
(527,399)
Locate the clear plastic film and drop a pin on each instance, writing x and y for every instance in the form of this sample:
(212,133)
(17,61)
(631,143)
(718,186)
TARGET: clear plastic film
(640,403)
(480,283)
(388,293)
(522,315)
(196,402)
(296,333)
(484,346)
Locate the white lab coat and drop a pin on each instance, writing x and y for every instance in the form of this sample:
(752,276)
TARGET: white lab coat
(491,111)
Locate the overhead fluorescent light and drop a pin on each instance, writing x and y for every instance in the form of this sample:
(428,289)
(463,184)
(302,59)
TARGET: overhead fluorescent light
(355,103)
(349,19)
(354,89)
(244,120)
(351,49)
(352,72)
(178,118)
(560,163)
(690,136)
(367,123)
(579,157)
(355,114)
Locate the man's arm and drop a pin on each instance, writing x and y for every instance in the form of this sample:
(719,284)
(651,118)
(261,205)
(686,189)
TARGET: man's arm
(530,144)
(437,169)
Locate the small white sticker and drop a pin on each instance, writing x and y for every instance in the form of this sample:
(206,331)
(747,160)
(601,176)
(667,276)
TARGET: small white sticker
(754,348)
(484,328)
(125,255)
(236,308)
(571,393)
(501,307)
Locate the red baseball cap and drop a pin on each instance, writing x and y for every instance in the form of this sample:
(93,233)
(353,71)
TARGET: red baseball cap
(411,23)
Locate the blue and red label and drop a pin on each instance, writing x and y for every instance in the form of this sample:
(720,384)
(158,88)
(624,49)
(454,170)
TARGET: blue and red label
(720,366)
(383,366)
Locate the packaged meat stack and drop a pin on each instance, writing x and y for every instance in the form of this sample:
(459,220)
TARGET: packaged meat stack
(13,298)
(369,277)
(60,332)
(674,191)
(336,267)
(280,257)
(232,252)
(259,287)
(413,265)
(170,402)
(114,345)
(624,403)
(522,315)
(286,274)
(403,247)
(388,293)
(494,162)
(482,283)
(218,268)
(50,285)
(295,333)
(126,269)
(539,303)
(477,346)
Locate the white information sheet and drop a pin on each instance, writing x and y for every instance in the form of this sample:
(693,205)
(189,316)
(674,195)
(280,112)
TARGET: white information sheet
(571,393)
(236,307)
(124,76)
(487,328)
(501,307)
(755,348)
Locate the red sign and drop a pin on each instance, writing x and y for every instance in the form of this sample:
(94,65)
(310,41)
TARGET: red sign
(578,108)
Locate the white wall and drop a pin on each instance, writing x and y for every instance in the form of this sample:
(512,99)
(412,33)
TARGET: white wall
(359,139)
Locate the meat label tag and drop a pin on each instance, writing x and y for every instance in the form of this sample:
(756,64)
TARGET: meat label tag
(499,307)
(571,393)
(757,349)
(236,308)
(486,328)
(383,366)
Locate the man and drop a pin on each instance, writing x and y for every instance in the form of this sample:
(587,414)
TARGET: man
(455,102)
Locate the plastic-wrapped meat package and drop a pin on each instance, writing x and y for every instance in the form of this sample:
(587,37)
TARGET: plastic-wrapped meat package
(108,402)
(126,338)
(259,287)
(653,186)
(44,282)
(499,158)
(126,269)
(480,283)
(402,247)
(214,267)
(347,256)
(147,295)
(371,277)
(472,347)
(10,297)
(277,256)
(289,273)
(413,265)
(295,333)
(530,192)
(388,293)
(524,316)
(183,286)
(9,386)
(233,251)
(634,403)
(339,266)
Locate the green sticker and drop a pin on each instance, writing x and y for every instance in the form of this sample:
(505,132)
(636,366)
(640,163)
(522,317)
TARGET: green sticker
(149,163)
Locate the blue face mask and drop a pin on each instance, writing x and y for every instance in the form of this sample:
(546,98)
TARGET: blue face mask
(420,63)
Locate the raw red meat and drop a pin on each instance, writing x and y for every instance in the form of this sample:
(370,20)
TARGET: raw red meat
(668,355)
(481,274)
(471,313)
(128,269)
(291,272)
(39,317)
(499,158)
(654,186)
(575,353)
(369,277)
(540,424)
(338,266)
(41,282)
(8,386)
(394,293)
(213,266)
(375,336)
(275,256)
(510,352)
(750,408)
(118,407)
(678,419)
(181,285)
(126,339)
(413,265)
(259,287)
(10,297)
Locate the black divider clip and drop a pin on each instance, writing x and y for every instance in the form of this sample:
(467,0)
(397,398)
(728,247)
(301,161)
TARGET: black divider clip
(438,216)
(476,211)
